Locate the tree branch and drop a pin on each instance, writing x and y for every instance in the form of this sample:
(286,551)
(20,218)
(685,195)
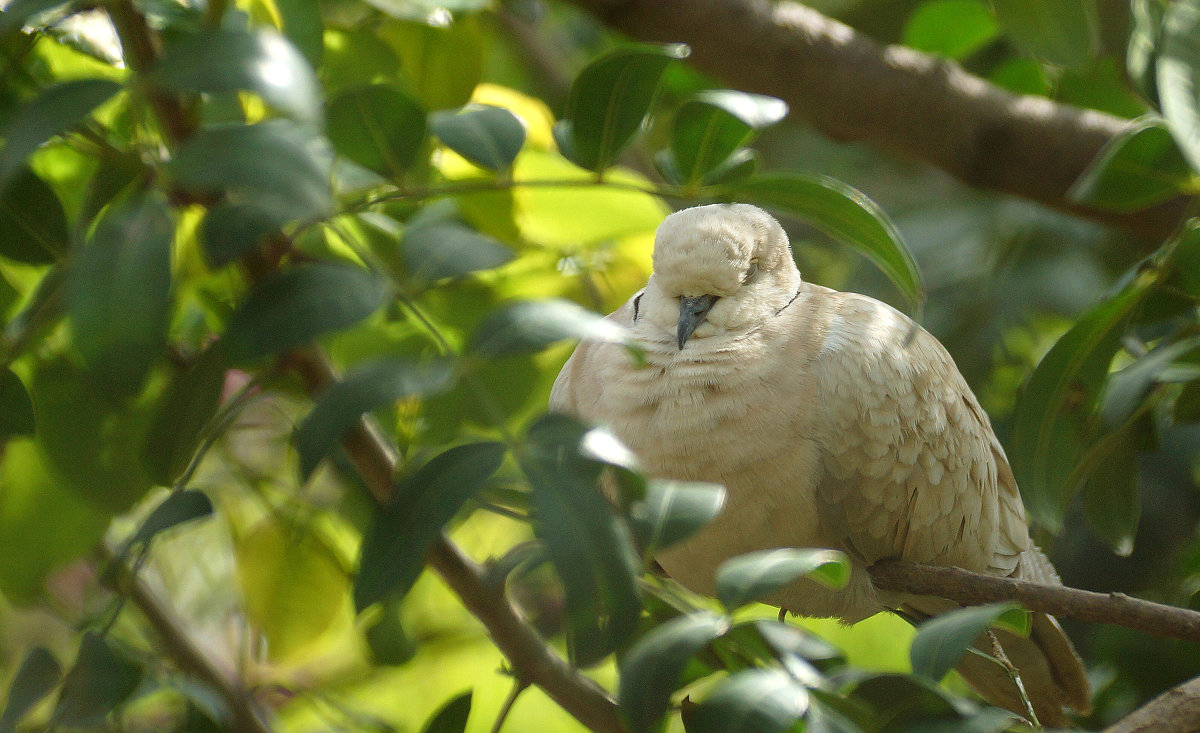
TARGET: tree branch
(851,88)
(970,588)
(1177,709)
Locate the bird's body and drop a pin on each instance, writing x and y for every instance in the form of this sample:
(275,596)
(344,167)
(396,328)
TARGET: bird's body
(832,420)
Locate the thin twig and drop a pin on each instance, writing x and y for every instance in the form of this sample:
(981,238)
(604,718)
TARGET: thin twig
(1002,659)
(519,686)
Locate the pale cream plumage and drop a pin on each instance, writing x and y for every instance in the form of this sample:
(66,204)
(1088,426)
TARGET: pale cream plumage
(833,421)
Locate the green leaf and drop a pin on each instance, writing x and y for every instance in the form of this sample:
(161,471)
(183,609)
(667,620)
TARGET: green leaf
(441,250)
(590,548)
(367,388)
(951,28)
(38,675)
(299,304)
(845,214)
(54,111)
(752,701)
(303,26)
(904,699)
(1052,419)
(1141,53)
(114,175)
(119,294)
(942,641)
(451,717)
(1179,76)
(756,575)
(262,61)
(99,682)
(489,137)
(16,409)
(529,326)
(19,12)
(610,98)
(1125,390)
(712,127)
(184,411)
(390,645)
(652,668)
(231,230)
(33,226)
(274,165)
(1137,169)
(380,127)
(673,511)
(1110,494)
(441,63)
(393,551)
(179,507)
(1058,31)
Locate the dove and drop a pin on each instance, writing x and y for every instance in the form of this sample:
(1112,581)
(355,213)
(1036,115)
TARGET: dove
(832,420)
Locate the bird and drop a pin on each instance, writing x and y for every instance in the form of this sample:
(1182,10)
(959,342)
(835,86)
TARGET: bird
(833,421)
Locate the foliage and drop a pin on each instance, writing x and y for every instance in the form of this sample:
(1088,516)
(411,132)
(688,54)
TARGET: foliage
(261,185)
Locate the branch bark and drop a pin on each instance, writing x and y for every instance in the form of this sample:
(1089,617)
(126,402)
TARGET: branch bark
(970,588)
(1177,709)
(851,88)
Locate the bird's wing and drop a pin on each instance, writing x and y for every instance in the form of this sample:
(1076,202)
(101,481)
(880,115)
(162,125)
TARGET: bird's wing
(579,387)
(912,467)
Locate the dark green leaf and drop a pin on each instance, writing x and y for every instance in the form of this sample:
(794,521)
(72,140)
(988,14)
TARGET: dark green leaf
(119,294)
(184,411)
(903,699)
(113,175)
(179,507)
(18,12)
(262,61)
(489,137)
(610,98)
(1141,53)
(713,126)
(757,575)
(752,701)
(843,213)
(303,26)
(231,230)
(1110,493)
(1053,413)
(299,304)
(38,675)
(529,326)
(452,717)
(367,388)
(942,641)
(380,127)
(1058,31)
(16,409)
(1137,169)
(951,28)
(33,226)
(785,640)
(393,551)
(448,249)
(1179,76)
(673,511)
(99,682)
(1125,390)
(389,643)
(739,166)
(651,670)
(54,111)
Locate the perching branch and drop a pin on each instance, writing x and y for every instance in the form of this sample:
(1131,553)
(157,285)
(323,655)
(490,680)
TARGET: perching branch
(851,88)
(970,588)
(1177,709)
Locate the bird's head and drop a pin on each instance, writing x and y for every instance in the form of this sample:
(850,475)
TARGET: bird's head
(721,269)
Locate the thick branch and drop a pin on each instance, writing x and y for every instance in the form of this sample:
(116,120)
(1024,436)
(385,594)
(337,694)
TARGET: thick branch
(849,87)
(1177,709)
(970,588)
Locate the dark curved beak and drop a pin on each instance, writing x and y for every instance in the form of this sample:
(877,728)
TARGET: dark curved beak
(691,314)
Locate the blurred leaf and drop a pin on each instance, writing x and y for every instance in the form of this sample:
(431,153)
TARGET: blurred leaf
(33,226)
(380,127)
(942,641)
(390,645)
(903,699)
(757,575)
(1179,76)
(1141,54)
(428,11)
(18,12)
(530,326)
(711,128)
(752,701)
(442,64)
(185,409)
(262,61)
(1137,169)
(588,544)
(299,304)
(38,675)
(114,174)
(177,508)
(100,681)
(119,294)
(951,28)
(651,670)
(610,99)
(393,551)
(441,250)
(1052,416)
(1110,494)
(16,409)
(231,230)
(739,166)
(367,388)
(845,214)
(451,717)
(785,640)
(54,111)
(1126,389)
(303,26)
(1058,31)
(489,137)
(673,511)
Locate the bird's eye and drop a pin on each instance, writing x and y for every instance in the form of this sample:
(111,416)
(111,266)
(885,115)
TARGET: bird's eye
(750,271)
